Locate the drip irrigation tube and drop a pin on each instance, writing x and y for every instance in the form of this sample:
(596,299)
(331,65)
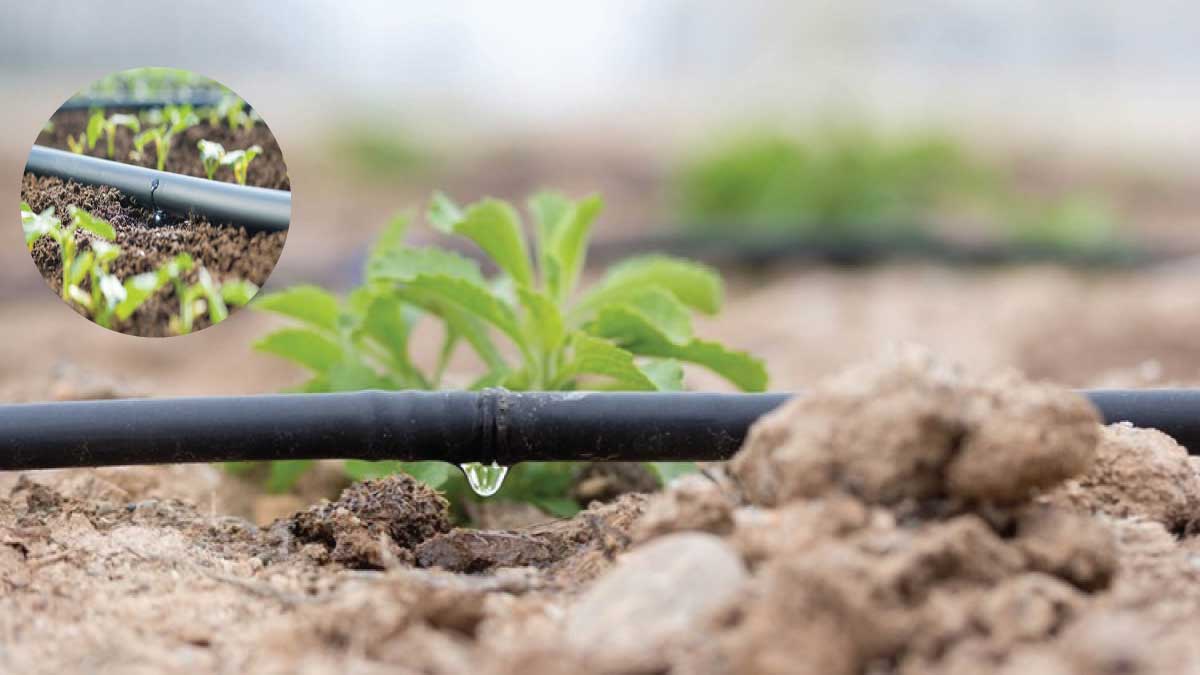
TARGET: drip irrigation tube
(253,207)
(196,100)
(486,426)
(756,249)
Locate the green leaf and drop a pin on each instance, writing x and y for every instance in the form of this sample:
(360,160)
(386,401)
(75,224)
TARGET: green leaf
(696,286)
(392,237)
(310,304)
(309,349)
(563,229)
(433,474)
(405,264)
(38,225)
(669,471)
(664,312)
(466,295)
(634,332)
(284,474)
(348,376)
(112,290)
(95,127)
(547,321)
(494,226)
(238,292)
(595,356)
(217,311)
(461,323)
(666,374)
(97,226)
(78,295)
(130,121)
(389,322)
(443,213)
(81,266)
(361,469)
(106,253)
(137,289)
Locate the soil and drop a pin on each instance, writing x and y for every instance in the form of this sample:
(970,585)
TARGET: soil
(228,252)
(267,170)
(903,516)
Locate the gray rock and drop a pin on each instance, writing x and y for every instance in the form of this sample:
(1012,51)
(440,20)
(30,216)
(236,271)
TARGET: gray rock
(655,595)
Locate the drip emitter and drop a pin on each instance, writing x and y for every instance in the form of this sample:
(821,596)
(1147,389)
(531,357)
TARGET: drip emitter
(490,426)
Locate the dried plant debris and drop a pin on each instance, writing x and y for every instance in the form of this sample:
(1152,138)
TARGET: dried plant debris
(904,517)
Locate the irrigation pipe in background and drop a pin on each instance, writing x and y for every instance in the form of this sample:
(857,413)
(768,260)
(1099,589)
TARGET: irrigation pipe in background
(458,427)
(753,250)
(253,207)
(197,100)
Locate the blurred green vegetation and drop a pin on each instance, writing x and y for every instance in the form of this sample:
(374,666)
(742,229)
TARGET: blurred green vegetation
(849,184)
(151,83)
(378,151)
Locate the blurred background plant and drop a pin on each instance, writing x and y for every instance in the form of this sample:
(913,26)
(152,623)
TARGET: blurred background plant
(850,184)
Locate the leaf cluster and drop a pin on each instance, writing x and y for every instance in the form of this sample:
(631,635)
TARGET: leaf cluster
(530,324)
(88,283)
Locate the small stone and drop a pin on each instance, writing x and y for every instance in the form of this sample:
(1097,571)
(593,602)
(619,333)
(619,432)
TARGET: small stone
(655,596)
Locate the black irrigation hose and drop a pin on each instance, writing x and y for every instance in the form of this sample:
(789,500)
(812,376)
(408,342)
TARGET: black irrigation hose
(252,207)
(733,246)
(197,100)
(492,425)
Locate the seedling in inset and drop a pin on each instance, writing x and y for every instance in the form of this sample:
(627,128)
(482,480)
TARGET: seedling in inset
(110,129)
(211,155)
(240,161)
(175,119)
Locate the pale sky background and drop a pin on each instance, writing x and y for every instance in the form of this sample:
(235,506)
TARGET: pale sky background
(1086,73)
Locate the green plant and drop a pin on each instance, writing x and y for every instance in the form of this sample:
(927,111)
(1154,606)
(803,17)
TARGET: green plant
(110,129)
(240,161)
(170,121)
(849,184)
(76,145)
(211,155)
(95,127)
(528,325)
(105,298)
(1073,222)
(205,296)
(378,150)
(842,183)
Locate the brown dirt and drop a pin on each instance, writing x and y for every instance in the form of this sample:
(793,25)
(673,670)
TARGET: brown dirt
(905,516)
(267,170)
(227,251)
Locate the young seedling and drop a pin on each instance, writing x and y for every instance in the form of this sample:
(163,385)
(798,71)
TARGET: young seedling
(630,331)
(91,264)
(110,129)
(240,161)
(176,119)
(205,296)
(211,155)
(76,145)
(95,127)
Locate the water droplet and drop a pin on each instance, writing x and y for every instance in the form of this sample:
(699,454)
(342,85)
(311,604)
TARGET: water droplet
(484,479)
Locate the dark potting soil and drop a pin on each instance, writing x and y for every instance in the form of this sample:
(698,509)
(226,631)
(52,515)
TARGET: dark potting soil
(267,170)
(228,252)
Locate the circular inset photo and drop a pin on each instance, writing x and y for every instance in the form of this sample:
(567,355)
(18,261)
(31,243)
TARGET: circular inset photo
(155,202)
